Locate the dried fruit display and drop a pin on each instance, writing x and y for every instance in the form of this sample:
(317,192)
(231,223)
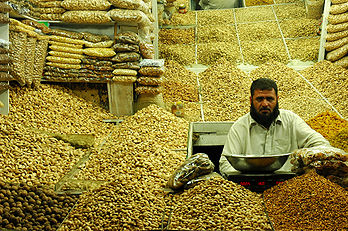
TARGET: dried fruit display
(307,202)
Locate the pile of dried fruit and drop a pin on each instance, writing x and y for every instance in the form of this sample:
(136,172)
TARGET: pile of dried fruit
(307,202)
(332,127)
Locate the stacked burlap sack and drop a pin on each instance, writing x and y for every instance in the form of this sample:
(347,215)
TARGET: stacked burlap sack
(329,162)
(28,51)
(337,33)
(148,88)
(5,59)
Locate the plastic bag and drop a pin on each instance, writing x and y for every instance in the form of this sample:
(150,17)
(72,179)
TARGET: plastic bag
(124,47)
(37,25)
(100,52)
(57,10)
(155,81)
(5,67)
(51,4)
(98,68)
(66,40)
(56,59)
(5,59)
(338,18)
(4,76)
(66,55)
(95,38)
(129,16)
(126,57)
(103,44)
(4,43)
(66,49)
(51,17)
(4,19)
(4,50)
(96,62)
(147,50)
(124,79)
(88,17)
(127,37)
(151,90)
(152,63)
(67,34)
(337,54)
(64,65)
(131,5)
(127,65)
(124,72)
(61,44)
(339,9)
(337,35)
(337,28)
(329,162)
(308,155)
(343,62)
(333,45)
(86,4)
(151,71)
(4,8)
(197,165)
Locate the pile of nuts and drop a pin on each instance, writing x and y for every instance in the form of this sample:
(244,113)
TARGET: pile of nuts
(300,27)
(258,31)
(328,78)
(216,33)
(181,53)
(29,156)
(179,83)
(309,48)
(178,19)
(225,92)
(141,144)
(56,109)
(209,53)
(259,52)
(290,11)
(32,207)
(177,36)
(307,202)
(215,17)
(254,14)
(124,204)
(218,204)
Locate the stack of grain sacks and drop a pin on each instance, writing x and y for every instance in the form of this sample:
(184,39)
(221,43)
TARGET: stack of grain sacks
(337,33)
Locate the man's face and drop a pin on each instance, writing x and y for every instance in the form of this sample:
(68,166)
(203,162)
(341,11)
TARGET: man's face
(264,102)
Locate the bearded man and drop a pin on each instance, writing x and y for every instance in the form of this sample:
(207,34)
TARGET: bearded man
(267,130)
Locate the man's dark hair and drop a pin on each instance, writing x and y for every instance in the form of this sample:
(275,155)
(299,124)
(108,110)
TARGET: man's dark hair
(263,84)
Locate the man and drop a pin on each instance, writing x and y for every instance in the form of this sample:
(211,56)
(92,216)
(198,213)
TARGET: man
(267,129)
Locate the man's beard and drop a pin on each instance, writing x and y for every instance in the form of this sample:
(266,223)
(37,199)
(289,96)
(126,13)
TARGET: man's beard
(265,120)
